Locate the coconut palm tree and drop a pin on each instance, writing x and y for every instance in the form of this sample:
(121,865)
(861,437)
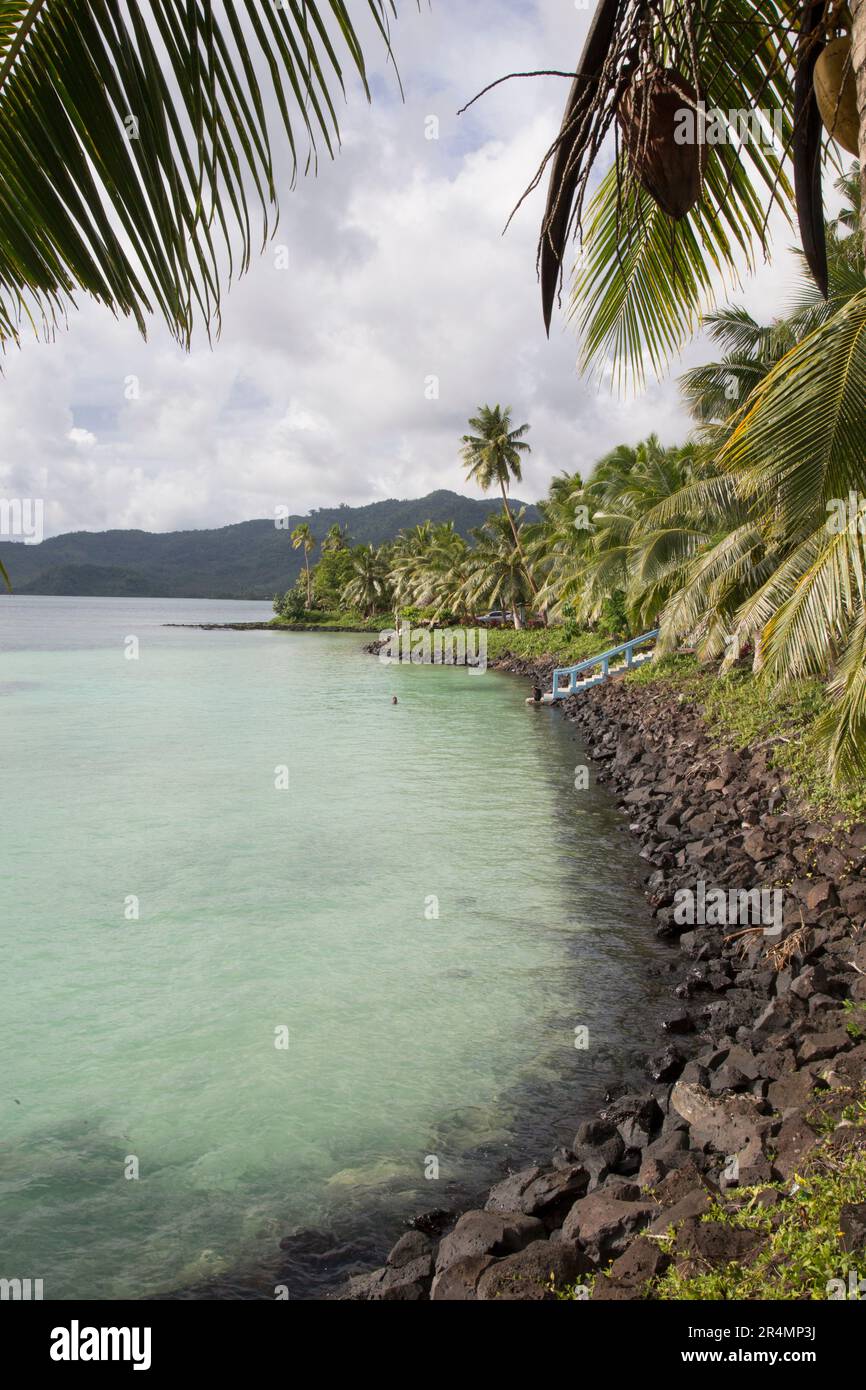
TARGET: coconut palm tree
(492,456)
(715,391)
(782,503)
(370,588)
(429,567)
(335,539)
(757,352)
(448,568)
(556,541)
(671,210)
(409,562)
(497,569)
(798,450)
(689,196)
(846,261)
(303,536)
(785,412)
(626,554)
(134,139)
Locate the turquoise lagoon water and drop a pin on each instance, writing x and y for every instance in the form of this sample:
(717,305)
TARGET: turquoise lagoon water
(424,915)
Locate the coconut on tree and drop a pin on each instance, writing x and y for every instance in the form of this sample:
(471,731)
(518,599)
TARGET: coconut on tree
(722,112)
(687,203)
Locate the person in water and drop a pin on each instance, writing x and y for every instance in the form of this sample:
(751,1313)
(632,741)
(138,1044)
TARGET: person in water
(394,700)
(536,693)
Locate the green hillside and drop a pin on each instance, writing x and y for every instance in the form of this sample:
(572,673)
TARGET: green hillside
(251,560)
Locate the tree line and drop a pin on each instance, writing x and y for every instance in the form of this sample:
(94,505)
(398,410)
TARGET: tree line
(745,540)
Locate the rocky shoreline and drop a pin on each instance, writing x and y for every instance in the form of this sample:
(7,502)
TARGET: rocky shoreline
(759,1034)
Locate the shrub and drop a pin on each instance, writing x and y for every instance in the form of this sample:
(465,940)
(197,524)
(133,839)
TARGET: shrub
(292,606)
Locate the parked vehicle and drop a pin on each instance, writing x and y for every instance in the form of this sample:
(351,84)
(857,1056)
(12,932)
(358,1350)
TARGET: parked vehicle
(497,617)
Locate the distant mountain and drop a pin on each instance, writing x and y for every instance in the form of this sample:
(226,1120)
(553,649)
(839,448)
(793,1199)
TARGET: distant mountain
(252,560)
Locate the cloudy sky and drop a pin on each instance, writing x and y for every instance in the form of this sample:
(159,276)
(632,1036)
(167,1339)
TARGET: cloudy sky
(397,272)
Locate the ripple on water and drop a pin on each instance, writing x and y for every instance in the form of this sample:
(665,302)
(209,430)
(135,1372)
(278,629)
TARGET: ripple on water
(427,913)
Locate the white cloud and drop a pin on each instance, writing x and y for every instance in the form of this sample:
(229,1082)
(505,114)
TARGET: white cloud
(84,439)
(397,271)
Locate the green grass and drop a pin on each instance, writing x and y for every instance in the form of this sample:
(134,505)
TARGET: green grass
(681,674)
(741,711)
(747,710)
(856,1025)
(564,647)
(351,622)
(802,1253)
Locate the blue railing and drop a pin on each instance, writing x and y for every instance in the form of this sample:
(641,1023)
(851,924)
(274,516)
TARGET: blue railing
(565,677)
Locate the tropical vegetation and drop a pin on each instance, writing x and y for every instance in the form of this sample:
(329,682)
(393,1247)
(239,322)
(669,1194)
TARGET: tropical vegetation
(733,544)
(139,167)
(492,456)
(302,539)
(763,544)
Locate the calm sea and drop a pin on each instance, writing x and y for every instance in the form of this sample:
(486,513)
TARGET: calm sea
(279,957)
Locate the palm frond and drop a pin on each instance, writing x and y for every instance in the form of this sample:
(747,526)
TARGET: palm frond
(133,134)
(806,606)
(843,727)
(642,281)
(712,590)
(801,438)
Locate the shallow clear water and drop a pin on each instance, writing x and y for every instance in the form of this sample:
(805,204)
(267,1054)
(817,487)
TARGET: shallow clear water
(412,1036)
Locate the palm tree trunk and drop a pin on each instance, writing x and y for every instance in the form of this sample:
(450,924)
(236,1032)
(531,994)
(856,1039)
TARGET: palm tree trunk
(758,658)
(514,530)
(307,567)
(858,59)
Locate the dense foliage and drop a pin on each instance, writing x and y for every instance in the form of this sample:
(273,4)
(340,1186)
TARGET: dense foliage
(745,541)
(252,559)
